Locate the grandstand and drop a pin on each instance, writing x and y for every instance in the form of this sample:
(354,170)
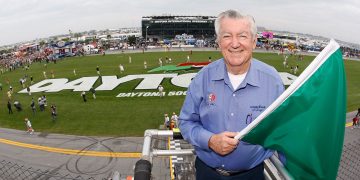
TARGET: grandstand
(161,27)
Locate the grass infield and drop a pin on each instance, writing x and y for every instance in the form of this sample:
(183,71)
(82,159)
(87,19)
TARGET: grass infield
(109,115)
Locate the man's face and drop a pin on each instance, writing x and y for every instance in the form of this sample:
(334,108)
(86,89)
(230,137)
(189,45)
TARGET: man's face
(236,42)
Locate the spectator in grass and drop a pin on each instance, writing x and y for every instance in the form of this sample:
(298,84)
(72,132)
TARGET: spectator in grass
(74,71)
(41,104)
(28,90)
(29,128)
(21,81)
(296,69)
(129,59)
(9,107)
(53,112)
(1,87)
(174,118)
(161,90)
(32,106)
(31,80)
(17,105)
(166,121)
(160,62)
(9,94)
(43,99)
(121,67)
(83,95)
(52,74)
(286,57)
(98,70)
(145,64)
(44,74)
(188,58)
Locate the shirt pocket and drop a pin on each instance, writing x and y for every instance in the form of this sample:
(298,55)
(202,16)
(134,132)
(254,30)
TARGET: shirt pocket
(257,110)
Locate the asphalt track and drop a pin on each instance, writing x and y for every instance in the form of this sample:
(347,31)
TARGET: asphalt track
(96,157)
(71,151)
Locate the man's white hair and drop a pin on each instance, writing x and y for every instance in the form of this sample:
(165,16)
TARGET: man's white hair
(234,14)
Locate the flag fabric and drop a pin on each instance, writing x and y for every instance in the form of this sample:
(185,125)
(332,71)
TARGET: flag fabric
(306,122)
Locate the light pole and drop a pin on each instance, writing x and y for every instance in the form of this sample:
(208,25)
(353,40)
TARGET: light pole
(146,36)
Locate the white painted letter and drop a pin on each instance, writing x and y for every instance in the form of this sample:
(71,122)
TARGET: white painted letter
(183,80)
(46,85)
(81,84)
(110,82)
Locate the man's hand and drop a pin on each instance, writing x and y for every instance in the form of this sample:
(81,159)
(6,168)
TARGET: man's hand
(223,143)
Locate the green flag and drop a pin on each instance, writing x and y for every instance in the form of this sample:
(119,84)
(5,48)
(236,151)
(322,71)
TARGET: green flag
(306,123)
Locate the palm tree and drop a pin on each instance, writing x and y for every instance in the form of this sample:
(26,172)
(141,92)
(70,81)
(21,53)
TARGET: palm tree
(77,35)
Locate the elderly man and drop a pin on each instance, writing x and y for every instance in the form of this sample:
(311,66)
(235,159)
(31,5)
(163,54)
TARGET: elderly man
(220,99)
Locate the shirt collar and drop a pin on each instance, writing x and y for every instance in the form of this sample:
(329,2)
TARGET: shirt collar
(219,71)
(252,77)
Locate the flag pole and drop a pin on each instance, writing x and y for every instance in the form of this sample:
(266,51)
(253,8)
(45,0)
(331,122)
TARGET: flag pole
(314,65)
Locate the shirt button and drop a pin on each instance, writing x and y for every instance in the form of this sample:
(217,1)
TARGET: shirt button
(234,95)
(232,114)
(222,165)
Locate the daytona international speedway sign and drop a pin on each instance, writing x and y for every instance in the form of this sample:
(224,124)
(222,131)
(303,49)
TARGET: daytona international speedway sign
(149,82)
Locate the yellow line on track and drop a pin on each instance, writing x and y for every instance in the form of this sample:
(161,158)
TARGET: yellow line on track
(170,159)
(348,124)
(72,151)
(83,153)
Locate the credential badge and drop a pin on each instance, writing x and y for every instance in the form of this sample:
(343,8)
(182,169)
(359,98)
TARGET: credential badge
(212,99)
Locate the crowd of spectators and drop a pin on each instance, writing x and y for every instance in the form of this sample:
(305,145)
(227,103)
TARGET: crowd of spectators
(12,61)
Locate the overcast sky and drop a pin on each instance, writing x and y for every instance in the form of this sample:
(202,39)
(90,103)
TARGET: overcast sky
(22,20)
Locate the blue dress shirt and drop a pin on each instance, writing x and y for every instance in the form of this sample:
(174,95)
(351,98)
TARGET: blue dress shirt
(212,106)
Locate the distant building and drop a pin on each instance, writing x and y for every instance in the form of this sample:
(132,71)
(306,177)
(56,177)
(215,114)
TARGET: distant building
(63,49)
(29,48)
(161,27)
(124,36)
